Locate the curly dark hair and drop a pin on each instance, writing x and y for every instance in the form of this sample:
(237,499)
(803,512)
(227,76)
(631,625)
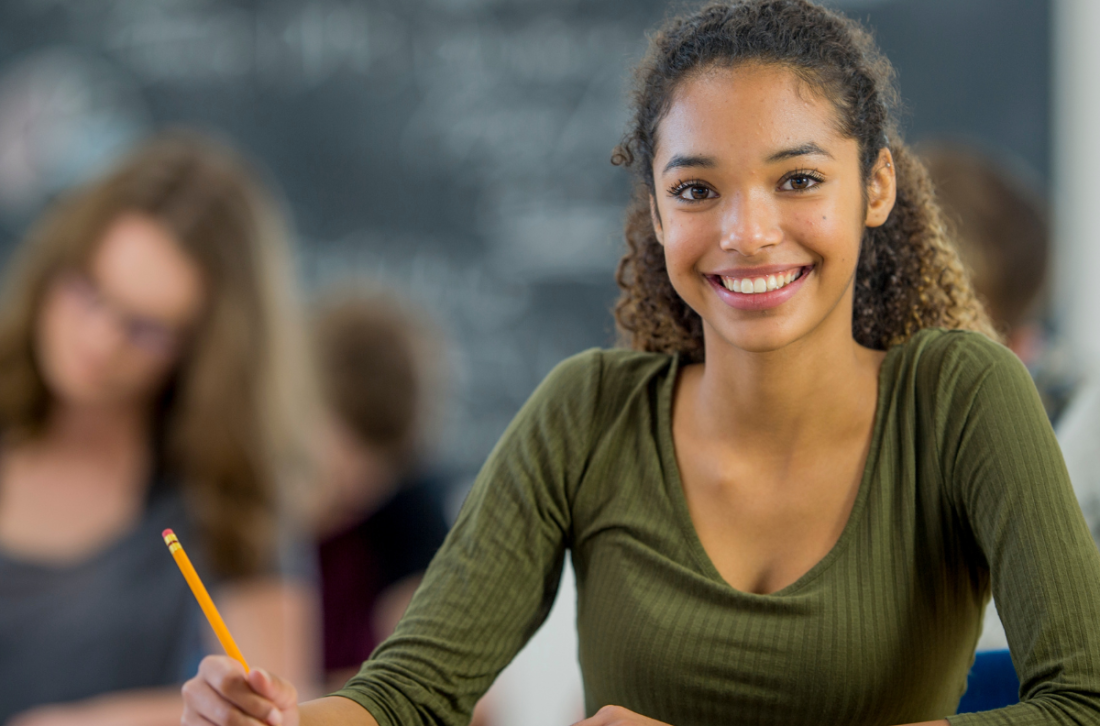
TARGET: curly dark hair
(909,275)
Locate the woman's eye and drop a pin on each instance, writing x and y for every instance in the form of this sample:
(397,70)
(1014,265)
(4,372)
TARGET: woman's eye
(799,182)
(695,193)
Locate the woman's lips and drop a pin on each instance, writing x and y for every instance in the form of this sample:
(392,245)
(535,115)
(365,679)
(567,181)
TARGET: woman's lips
(758,300)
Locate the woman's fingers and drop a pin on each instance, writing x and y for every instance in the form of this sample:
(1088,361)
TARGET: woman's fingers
(222,694)
(280,692)
(202,706)
(227,677)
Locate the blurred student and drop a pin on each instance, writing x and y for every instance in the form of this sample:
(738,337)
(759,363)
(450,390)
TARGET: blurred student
(379,520)
(151,376)
(1001,229)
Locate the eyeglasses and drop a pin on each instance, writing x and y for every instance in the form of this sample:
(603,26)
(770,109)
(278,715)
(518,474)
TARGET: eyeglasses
(142,332)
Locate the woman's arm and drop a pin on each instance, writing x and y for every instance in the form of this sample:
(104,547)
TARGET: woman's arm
(335,711)
(1013,494)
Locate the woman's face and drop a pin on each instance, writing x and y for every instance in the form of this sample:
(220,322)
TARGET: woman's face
(760,206)
(110,334)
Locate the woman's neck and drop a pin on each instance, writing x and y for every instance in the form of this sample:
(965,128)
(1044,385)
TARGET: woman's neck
(107,430)
(77,486)
(777,400)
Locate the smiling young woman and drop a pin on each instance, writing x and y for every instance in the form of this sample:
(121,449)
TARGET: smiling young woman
(789,503)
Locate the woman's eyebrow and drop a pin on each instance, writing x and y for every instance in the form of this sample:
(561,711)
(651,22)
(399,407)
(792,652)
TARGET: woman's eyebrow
(681,160)
(807,149)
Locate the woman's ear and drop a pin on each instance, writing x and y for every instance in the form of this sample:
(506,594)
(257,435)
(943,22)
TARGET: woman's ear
(656,217)
(882,190)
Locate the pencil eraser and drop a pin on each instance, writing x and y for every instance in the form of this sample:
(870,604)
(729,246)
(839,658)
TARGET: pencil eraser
(167,533)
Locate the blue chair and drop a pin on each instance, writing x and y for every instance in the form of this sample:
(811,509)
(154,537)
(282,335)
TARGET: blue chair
(992,683)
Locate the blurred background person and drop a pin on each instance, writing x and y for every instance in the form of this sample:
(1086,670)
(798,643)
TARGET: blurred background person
(1000,222)
(152,375)
(379,518)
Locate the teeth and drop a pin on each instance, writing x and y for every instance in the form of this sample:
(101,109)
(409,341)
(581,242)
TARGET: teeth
(754,285)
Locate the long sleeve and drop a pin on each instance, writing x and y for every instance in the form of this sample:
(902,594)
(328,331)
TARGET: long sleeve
(1013,492)
(493,581)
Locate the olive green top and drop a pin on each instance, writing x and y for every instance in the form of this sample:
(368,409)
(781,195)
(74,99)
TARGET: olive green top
(964,489)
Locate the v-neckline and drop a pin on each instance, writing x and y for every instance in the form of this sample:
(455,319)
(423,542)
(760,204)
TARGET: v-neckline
(683,514)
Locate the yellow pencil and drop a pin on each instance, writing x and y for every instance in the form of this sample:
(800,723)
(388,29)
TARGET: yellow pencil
(203,597)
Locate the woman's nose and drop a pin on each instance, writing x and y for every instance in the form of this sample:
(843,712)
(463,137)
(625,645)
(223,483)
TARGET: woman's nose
(750,224)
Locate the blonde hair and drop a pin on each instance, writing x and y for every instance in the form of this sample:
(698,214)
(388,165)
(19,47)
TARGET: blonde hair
(232,418)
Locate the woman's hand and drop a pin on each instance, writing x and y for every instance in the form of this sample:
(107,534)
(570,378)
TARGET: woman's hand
(618,716)
(222,693)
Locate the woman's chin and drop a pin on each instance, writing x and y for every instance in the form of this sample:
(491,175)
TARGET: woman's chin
(83,392)
(756,336)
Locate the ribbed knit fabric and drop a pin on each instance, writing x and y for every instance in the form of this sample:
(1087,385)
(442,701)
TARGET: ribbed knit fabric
(964,488)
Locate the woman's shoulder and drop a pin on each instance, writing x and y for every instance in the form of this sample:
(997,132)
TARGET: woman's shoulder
(962,352)
(942,344)
(582,389)
(950,366)
(607,372)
